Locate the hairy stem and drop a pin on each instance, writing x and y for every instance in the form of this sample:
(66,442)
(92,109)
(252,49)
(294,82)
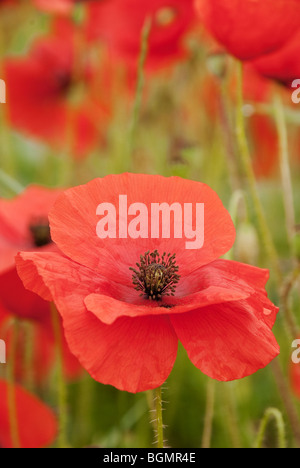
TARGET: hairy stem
(272,413)
(140,84)
(159,418)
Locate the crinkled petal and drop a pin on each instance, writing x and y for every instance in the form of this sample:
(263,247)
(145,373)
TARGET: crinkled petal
(74,222)
(133,354)
(227,341)
(108,309)
(234,277)
(109,301)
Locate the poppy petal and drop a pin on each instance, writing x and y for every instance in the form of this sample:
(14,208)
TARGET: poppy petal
(119,24)
(150,342)
(108,309)
(37,424)
(75,212)
(232,24)
(110,301)
(34,203)
(233,276)
(228,341)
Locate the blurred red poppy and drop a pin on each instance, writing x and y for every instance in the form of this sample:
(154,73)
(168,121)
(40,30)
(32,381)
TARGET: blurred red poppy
(56,6)
(218,309)
(120,22)
(295,377)
(247,28)
(59,6)
(54,95)
(24,225)
(264,144)
(282,65)
(36,423)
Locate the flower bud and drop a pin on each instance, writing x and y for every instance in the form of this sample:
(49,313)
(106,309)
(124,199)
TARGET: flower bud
(247,244)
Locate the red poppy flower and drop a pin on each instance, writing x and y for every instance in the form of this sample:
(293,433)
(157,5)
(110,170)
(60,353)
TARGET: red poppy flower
(56,6)
(37,424)
(65,108)
(247,28)
(64,7)
(120,24)
(219,311)
(282,65)
(24,225)
(264,144)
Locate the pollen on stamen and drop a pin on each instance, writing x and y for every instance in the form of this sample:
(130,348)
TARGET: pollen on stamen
(156,276)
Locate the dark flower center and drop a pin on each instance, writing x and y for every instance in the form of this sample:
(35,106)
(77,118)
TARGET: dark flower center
(156,276)
(63,80)
(40,232)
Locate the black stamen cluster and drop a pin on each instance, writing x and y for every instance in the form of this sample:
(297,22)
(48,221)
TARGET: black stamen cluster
(156,276)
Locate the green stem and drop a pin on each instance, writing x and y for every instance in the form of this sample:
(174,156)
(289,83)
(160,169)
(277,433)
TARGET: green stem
(247,164)
(290,320)
(272,413)
(140,84)
(11,395)
(159,418)
(209,413)
(10,184)
(29,355)
(290,406)
(62,390)
(231,411)
(286,178)
(7,147)
(228,137)
(288,199)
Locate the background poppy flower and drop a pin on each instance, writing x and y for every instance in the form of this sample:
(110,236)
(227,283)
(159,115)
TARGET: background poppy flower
(247,28)
(37,425)
(56,84)
(24,225)
(295,378)
(120,22)
(57,6)
(220,311)
(282,65)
